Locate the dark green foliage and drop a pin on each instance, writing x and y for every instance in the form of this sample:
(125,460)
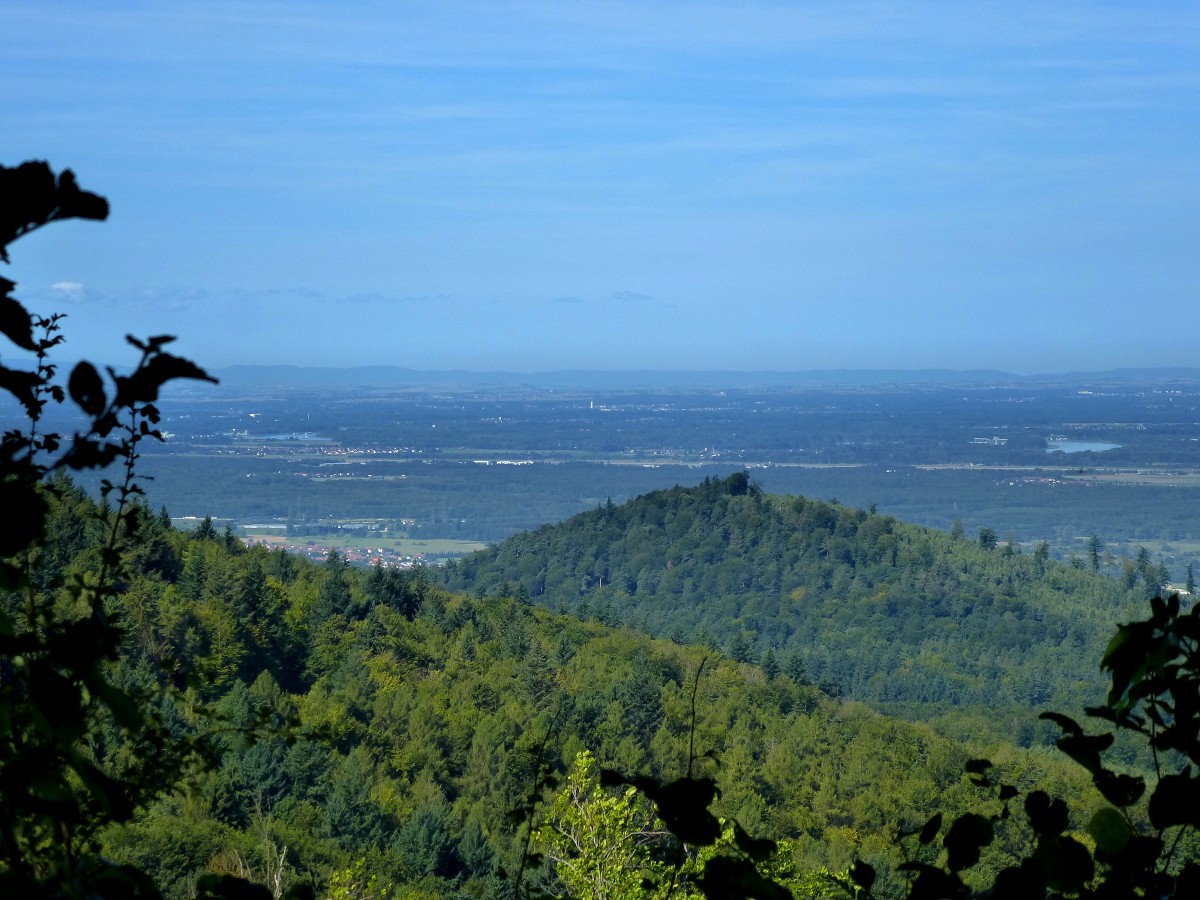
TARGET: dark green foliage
(428,843)
(60,706)
(910,620)
(1155,693)
(449,707)
(769,664)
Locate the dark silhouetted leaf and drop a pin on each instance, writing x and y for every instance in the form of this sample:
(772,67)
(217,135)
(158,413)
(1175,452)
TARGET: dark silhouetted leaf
(862,874)
(1068,863)
(758,849)
(228,887)
(968,834)
(144,384)
(1119,789)
(1175,801)
(1084,749)
(1109,830)
(683,805)
(1027,880)
(931,829)
(729,878)
(87,389)
(76,204)
(15,322)
(1047,816)
(23,387)
(25,510)
(932,883)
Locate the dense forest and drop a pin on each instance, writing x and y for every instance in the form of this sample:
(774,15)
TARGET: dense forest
(962,631)
(416,715)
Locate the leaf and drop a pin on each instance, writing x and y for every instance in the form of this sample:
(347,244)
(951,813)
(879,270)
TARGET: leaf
(86,453)
(931,829)
(1120,789)
(1047,816)
(758,849)
(87,389)
(229,887)
(612,778)
(1083,748)
(76,204)
(932,883)
(25,511)
(978,769)
(111,880)
(683,805)
(23,386)
(1175,801)
(968,834)
(862,874)
(1109,830)
(1069,865)
(1026,880)
(15,322)
(1187,882)
(729,878)
(144,384)
(33,196)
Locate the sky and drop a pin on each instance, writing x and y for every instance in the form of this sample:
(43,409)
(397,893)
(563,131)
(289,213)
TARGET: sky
(668,185)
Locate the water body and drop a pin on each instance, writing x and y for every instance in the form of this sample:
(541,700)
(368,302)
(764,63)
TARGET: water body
(311,436)
(1079,446)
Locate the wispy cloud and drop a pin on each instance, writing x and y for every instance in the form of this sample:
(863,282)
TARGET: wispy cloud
(70,291)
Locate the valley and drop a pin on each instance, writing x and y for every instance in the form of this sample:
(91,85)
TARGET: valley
(479,458)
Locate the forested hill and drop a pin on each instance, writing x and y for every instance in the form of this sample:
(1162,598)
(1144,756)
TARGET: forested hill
(416,716)
(921,623)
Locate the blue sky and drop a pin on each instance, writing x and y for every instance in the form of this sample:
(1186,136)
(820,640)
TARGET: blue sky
(603,185)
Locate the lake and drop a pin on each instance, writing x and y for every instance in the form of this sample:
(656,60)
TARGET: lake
(1079,446)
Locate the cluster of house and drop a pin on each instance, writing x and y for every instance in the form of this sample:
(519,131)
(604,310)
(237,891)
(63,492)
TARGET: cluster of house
(360,556)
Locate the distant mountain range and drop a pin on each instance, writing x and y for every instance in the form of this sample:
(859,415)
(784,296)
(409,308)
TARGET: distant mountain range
(396,376)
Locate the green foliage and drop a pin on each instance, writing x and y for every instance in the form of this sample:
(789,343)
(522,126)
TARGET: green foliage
(601,842)
(910,620)
(1137,845)
(355,882)
(421,732)
(61,708)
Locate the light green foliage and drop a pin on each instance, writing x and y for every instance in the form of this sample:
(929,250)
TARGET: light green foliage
(356,883)
(607,843)
(600,840)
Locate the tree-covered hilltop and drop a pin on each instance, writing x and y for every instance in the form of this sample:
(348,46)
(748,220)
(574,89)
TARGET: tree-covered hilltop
(420,711)
(905,618)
